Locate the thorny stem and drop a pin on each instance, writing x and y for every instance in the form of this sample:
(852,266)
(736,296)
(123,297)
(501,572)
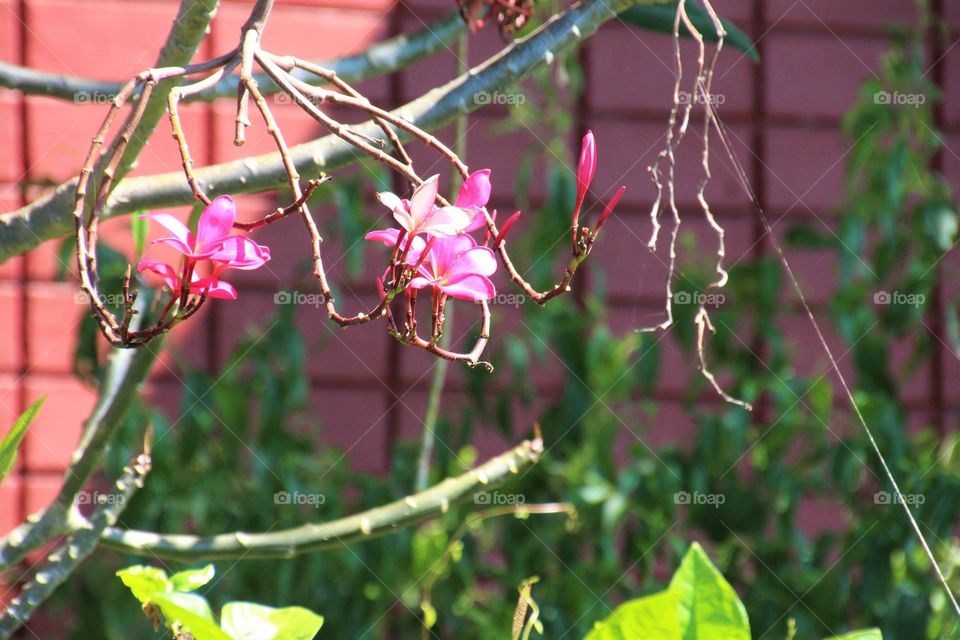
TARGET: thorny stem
(315,536)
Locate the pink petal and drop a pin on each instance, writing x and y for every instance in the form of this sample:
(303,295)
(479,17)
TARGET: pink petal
(162,269)
(446,221)
(444,252)
(215,225)
(386,236)
(214,288)
(479,261)
(240,252)
(389,238)
(423,199)
(479,221)
(420,282)
(182,239)
(390,201)
(472,288)
(475,191)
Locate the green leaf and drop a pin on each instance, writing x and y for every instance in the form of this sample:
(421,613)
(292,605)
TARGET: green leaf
(698,605)
(659,17)
(144,581)
(709,607)
(650,617)
(11,442)
(191,611)
(251,621)
(861,634)
(192,579)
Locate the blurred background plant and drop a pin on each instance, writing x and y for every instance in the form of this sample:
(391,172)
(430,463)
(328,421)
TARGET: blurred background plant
(251,435)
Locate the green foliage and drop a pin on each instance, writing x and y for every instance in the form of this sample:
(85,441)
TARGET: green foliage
(246,433)
(169,601)
(10,443)
(699,604)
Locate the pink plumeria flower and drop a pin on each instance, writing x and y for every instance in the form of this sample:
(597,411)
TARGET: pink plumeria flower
(459,268)
(210,286)
(213,239)
(212,242)
(420,214)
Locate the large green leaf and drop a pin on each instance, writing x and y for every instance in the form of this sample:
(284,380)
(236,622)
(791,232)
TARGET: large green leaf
(699,604)
(709,607)
(251,621)
(11,442)
(659,17)
(650,617)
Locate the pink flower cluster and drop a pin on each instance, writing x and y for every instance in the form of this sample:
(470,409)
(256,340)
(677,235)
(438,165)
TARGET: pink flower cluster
(211,244)
(449,259)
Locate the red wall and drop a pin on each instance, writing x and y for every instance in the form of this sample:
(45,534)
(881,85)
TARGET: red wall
(783,115)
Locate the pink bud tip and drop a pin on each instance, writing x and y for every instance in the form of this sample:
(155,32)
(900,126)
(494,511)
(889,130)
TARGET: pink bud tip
(607,210)
(505,229)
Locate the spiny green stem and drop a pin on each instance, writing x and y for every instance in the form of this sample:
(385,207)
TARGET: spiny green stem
(313,537)
(67,557)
